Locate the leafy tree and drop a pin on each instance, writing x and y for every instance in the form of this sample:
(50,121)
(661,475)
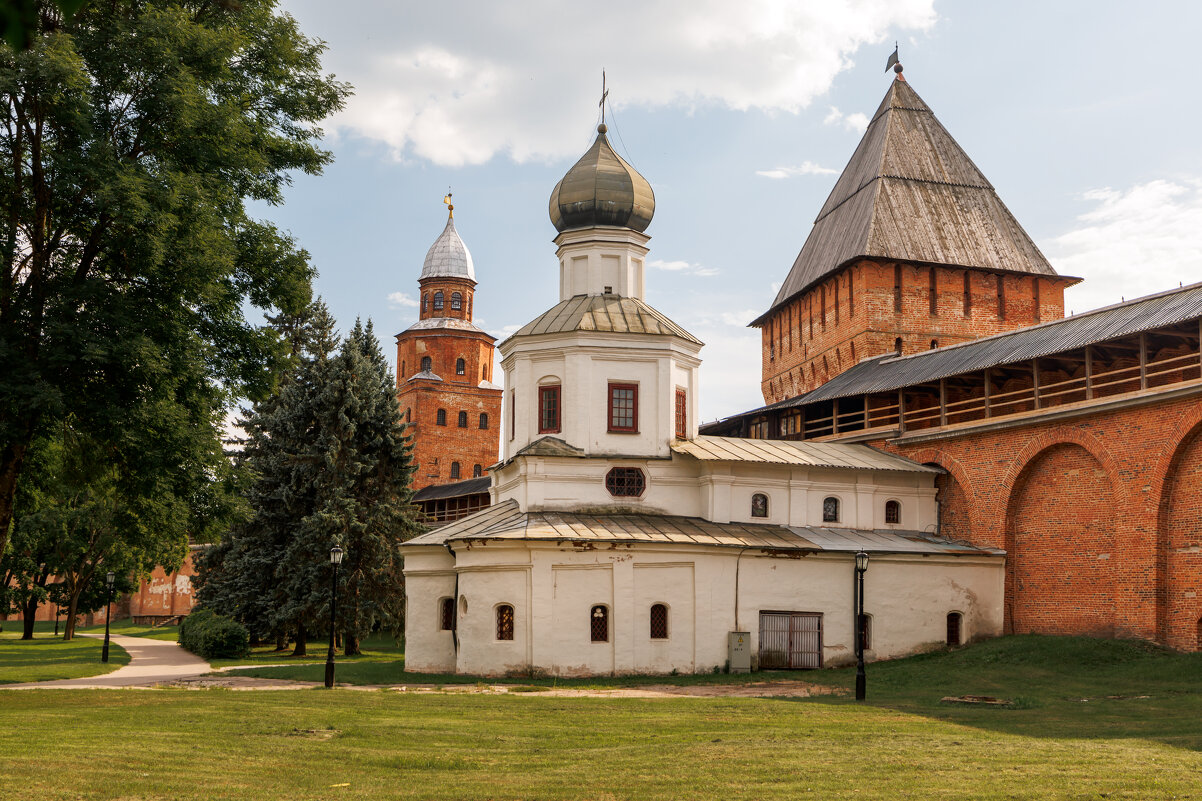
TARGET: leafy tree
(333,466)
(132,135)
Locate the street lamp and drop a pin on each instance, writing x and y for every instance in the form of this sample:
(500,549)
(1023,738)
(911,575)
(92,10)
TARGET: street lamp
(861,568)
(109,578)
(335,560)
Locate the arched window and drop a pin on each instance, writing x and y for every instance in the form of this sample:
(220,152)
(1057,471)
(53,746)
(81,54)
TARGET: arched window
(504,622)
(953,628)
(446,614)
(933,279)
(483,421)
(454,469)
(477,471)
(759,505)
(967,294)
(427,364)
(407,417)
(599,623)
(425,301)
(463,419)
(460,367)
(897,346)
(934,344)
(625,482)
(402,369)
(456,301)
(892,512)
(440,418)
(830,510)
(438,301)
(659,621)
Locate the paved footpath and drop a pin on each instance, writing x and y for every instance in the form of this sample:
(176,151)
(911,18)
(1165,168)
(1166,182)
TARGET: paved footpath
(151,662)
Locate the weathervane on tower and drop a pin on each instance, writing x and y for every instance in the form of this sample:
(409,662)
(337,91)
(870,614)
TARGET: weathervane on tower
(449,204)
(893,62)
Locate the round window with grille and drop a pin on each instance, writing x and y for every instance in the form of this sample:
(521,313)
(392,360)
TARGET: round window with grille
(625,482)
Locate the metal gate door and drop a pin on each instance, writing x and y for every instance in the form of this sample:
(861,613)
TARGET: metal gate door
(790,640)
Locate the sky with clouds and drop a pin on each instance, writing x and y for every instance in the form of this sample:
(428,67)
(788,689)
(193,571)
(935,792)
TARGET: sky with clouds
(741,115)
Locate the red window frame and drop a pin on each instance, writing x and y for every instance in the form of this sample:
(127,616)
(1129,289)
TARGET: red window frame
(549,421)
(633,401)
(682,414)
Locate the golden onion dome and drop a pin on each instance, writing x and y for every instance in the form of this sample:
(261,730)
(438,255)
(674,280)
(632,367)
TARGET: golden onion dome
(602,189)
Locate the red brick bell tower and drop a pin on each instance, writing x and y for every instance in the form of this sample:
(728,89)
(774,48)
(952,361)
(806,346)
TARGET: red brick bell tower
(444,371)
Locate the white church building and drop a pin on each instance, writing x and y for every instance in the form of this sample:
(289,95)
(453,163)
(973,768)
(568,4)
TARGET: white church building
(621,541)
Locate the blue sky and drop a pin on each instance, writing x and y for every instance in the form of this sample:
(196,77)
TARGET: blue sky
(1083,115)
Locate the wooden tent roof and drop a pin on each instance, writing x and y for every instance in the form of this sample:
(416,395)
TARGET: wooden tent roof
(910,193)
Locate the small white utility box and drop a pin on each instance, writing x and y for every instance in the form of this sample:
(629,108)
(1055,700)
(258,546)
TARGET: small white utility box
(739,647)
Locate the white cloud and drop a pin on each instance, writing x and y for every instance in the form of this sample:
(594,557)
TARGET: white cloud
(399,300)
(805,168)
(1151,230)
(682,267)
(457,83)
(857,121)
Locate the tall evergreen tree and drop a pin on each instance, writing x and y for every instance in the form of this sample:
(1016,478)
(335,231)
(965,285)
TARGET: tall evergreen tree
(332,466)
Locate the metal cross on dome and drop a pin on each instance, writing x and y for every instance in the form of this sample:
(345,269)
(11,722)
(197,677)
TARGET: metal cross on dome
(604,95)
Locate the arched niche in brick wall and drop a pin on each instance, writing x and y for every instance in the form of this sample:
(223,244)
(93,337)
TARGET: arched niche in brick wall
(1179,547)
(1063,574)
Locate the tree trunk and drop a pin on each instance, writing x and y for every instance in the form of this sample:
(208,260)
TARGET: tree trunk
(29,613)
(300,649)
(11,457)
(72,613)
(351,645)
(281,642)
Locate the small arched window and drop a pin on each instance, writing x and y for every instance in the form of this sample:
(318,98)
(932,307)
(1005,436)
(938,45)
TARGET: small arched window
(953,628)
(934,344)
(463,419)
(454,469)
(440,418)
(460,367)
(504,622)
(759,505)
(892,512)
(438,302)
(483,421)
(830,510)
(477,471)
(659,621)
(897,346)
(425,301)
(427,364)
(599,623)
(446,614)
(402,369)
(407,413)
(456,301)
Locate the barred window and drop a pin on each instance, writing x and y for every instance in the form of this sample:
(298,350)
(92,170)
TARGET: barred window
(446,614)
(759,505)
(682,417)
(456,301)
(830,510)
(454,469)
(599,623)
(625,482)
(892,512)
(483,421)
(463,419)
(427,364)
(659,622)
(953,628)
(624,407)
(438,301)
(440,418)
(477,471)
(548,410)
(460,367)
(504,622)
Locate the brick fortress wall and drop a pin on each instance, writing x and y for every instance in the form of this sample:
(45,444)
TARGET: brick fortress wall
(860,312)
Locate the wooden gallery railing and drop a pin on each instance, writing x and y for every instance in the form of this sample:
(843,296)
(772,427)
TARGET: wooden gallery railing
(929,406)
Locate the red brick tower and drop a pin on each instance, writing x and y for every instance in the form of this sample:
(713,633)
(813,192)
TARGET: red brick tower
(912,250)
(444,371)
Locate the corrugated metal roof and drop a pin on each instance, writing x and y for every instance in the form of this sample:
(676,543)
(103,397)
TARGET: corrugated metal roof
(808,454)
(1112,322)
(456,489)
(610,313)
(911,193)
(506,522)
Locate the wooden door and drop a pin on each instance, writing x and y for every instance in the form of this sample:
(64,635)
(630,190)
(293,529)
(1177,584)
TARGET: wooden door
(790,640)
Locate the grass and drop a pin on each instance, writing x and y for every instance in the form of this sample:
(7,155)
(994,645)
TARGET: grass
(378,648)
(48,658)
(1091,719)
(130,629)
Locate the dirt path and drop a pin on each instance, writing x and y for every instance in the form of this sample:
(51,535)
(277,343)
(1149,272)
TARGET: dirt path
(151,663)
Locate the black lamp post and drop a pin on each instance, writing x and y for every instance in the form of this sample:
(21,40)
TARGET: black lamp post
(861,568)
(108,613)
(335,560)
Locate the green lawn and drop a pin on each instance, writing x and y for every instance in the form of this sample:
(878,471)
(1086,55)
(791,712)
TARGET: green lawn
(130,629)
(378,648)
(46,657)
(1091,719)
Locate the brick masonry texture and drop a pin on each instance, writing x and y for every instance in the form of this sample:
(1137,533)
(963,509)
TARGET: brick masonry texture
(853,315)
(1101,517)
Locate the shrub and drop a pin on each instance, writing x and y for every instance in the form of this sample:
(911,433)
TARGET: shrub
(213,636)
